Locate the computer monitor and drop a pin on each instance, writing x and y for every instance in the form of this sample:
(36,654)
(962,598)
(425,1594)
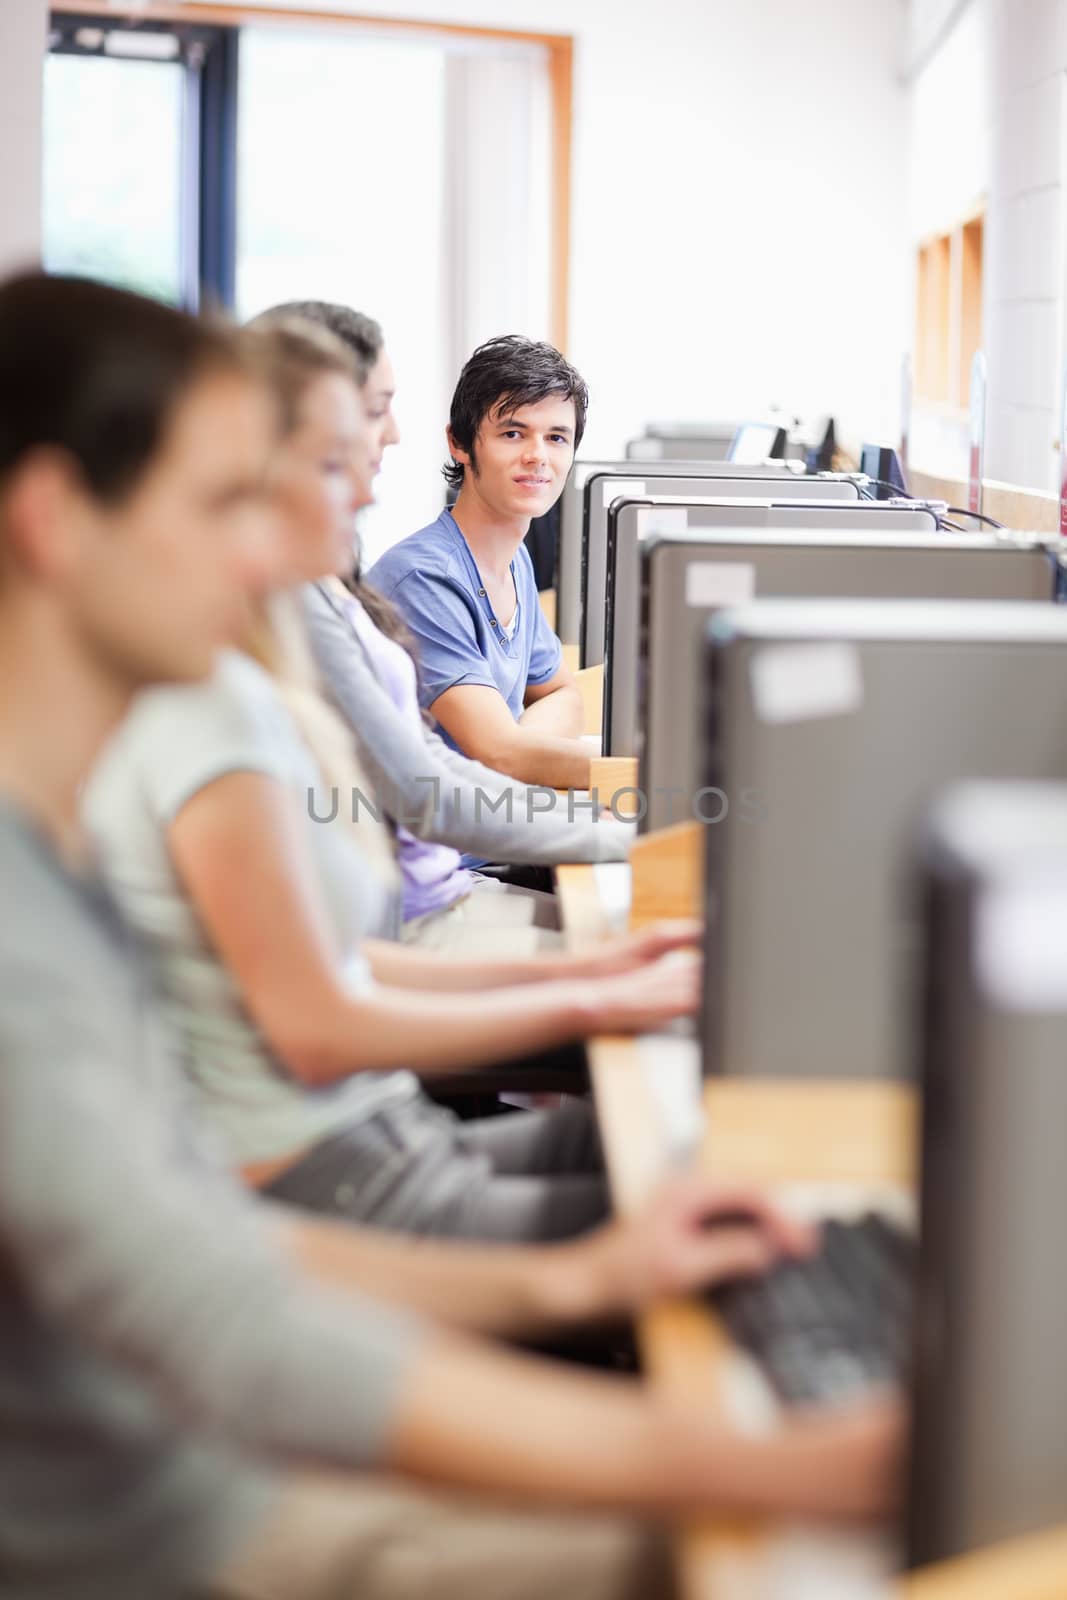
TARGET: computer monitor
(616,642)
(652,683)
(882,465)
(988,1452)
(830,725)
(601,490)
(572,516)
(758,441)
(682,441)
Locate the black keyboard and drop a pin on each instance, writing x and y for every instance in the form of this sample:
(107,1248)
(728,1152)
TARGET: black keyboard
(829,1327)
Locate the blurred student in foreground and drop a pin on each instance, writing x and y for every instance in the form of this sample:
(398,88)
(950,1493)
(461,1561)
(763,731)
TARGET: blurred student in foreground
(175,1355)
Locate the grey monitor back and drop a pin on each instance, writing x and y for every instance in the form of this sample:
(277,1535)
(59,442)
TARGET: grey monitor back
(652,698)
(988,1457)
(602,492)
(709,443)
(631,524)
(830,725)
(572,515)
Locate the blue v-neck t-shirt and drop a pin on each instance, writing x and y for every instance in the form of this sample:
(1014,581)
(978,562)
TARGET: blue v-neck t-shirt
(433,579)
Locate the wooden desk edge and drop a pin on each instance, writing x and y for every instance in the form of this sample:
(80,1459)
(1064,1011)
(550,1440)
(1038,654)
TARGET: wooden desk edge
(1030,1568)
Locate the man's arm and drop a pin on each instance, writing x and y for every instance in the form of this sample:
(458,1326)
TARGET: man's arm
(479,1418)
(409,967)
(478,719)
(554,706)
(692,1233)
(168,1271)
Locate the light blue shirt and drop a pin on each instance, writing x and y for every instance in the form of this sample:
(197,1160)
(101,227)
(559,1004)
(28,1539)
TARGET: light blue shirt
(434,580)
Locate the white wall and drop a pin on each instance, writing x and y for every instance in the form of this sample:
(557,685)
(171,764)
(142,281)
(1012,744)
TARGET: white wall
(23,25)
(987,119)
(714,299)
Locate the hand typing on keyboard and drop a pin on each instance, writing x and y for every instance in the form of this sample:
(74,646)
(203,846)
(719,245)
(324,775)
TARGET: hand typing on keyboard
(626,952)
(641,1001)
(836,1326)
(693,1232)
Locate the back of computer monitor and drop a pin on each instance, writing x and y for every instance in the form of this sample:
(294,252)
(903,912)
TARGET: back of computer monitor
(684,580)
(988,1458)
(630,524)
(601,493)
(829,725)
(613,477)
(758,441)
(682,445)
(882,465)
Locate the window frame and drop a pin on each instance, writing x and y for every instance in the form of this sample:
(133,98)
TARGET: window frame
(208,53)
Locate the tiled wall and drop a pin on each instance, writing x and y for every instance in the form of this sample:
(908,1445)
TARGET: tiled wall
(998,76)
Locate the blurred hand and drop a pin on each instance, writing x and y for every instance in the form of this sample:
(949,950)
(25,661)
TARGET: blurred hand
(692,1234)
(644,998)
(628,951)
(848,1463)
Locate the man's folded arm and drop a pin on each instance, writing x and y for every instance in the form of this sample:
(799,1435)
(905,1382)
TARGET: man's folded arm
(477,718)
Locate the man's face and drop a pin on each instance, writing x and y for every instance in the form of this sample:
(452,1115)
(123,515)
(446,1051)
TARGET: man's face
(523,456)
(157,584)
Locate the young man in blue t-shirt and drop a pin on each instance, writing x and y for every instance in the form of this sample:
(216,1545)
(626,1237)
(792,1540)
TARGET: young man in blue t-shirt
(491,669)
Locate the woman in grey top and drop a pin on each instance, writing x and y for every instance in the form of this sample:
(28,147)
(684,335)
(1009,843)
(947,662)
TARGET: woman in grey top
(268,925)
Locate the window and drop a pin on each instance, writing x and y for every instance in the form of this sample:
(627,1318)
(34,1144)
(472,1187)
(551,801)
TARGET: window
(342,198)
(417,172)
(113,171)
(134,167)
(949,315)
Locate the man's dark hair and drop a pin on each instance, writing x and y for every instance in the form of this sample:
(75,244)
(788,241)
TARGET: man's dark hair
(362,335)
(97,372)
(501,375)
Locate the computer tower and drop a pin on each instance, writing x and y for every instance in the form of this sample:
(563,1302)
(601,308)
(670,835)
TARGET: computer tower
(988,1457)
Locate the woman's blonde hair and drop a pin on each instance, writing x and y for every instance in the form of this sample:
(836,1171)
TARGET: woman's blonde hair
(291,352)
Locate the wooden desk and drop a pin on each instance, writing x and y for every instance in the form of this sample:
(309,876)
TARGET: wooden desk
(772,1133)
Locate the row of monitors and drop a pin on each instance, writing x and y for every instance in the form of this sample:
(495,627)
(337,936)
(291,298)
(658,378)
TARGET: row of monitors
(846,937)
(590,485)
(801,503)
(594,485)
(664,589)
(792,531)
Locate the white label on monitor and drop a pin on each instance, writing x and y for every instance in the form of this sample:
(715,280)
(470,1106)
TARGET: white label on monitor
(719,583)
(1020,950)
(632,488)
(661,519)
(801,682)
